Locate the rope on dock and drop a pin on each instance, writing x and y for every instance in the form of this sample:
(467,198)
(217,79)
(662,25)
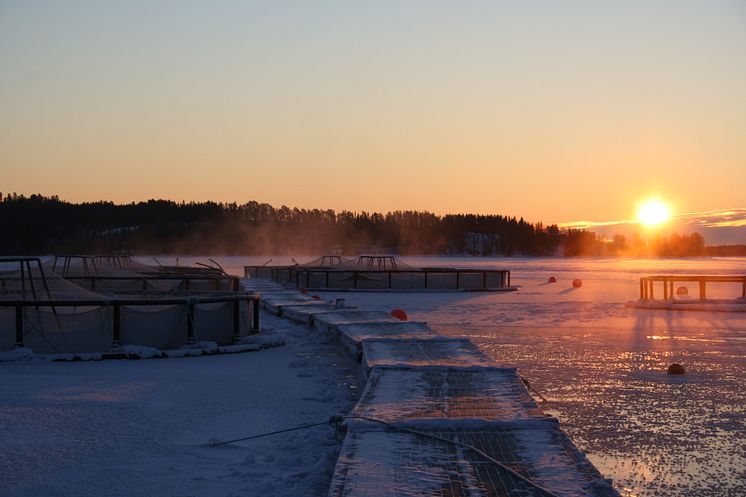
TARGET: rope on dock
(332,421)
(491,459)
(532,389)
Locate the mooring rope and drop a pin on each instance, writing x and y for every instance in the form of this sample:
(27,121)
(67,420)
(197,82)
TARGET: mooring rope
(334,421)
(528,385)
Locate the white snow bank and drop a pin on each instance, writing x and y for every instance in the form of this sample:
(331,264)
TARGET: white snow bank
(17,354)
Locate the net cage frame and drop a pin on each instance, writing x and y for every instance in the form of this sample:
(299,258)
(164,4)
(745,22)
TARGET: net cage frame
(383,273)
(213,315)
(115,272)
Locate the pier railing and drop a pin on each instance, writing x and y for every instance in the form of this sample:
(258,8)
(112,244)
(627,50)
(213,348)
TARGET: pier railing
(648,283)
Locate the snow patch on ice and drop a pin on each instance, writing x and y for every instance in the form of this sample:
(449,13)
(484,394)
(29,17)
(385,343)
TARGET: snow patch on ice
(17,354)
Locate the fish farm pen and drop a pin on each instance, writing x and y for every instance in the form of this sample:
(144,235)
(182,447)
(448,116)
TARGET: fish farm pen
(384,273)
(81,304)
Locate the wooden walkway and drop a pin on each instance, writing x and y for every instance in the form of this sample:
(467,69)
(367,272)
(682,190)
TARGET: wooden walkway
(647,285)
(436,417)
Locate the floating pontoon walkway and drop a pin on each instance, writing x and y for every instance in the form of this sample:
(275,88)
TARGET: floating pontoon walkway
(436,417)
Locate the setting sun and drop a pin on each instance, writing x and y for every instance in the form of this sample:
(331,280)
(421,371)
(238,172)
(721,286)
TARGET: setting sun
(653,212)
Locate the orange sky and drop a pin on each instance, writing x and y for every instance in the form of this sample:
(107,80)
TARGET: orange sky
(556,113)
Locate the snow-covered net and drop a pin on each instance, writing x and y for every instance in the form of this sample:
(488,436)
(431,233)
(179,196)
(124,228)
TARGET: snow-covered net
(377,263)
(121,274)
(326,261)
(27,279)
(92,265)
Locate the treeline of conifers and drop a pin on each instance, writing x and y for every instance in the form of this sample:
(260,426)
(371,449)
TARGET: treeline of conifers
(38,224)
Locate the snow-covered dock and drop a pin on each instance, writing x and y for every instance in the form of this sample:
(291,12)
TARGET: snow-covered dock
(437,418)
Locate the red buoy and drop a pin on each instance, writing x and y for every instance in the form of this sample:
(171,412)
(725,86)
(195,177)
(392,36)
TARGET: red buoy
(552,279)
(399,314)
(302,290)
(676,368)
(682,290)
(576,283)
(315,297)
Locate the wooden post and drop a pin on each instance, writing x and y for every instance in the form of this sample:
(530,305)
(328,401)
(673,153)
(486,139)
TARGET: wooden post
(642,292)
(236,323)
(702,291)
(255,316)
(235,284)
(457,280)
(19,325)
(190,323)
(117,325)
(484,280)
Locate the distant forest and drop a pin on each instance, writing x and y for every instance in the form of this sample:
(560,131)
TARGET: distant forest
(47,225)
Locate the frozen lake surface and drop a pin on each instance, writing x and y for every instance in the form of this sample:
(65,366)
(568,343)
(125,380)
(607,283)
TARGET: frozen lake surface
(140,427)
(602,366)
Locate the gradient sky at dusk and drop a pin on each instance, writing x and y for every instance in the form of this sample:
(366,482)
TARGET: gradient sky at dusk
(554,111)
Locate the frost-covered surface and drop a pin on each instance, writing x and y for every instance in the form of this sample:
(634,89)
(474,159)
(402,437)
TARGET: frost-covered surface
(412,465)
(141,428)
(352,336)
(350,316)
(602,365)
(361,331)
(440,351)
(304,313)
(402,394)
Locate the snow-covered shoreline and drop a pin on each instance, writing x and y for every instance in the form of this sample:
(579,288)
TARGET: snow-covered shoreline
(141,428)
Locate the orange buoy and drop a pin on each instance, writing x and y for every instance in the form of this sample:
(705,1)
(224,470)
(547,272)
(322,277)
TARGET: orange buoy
(552,279)
(577,283)
(676,369)
(302,290)
(399,314)
(315,297)
(682,290)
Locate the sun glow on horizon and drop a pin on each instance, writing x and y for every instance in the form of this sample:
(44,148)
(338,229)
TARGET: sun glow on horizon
(653,212)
